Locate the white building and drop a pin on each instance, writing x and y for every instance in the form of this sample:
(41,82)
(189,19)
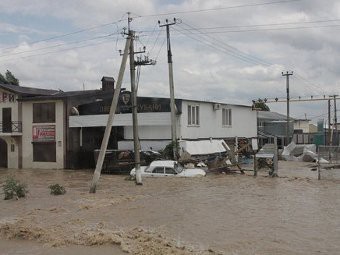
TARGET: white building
(195,120)
(304,126)
(15,137)
(55,129)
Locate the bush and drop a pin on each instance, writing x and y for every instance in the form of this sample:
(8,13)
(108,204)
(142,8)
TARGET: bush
(168,150)
(14,189)
(57,189)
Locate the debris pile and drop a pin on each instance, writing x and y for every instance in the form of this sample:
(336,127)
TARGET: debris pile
(300,152)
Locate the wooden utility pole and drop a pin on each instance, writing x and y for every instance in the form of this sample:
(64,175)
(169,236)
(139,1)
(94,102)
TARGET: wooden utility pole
(108,128)
(287,74)
(171,84)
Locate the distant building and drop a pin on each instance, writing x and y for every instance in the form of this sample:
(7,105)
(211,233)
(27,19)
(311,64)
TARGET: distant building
(305,132)
(304,126)
(272,124)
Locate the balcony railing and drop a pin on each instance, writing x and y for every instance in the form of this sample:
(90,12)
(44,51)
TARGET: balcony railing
(11,127)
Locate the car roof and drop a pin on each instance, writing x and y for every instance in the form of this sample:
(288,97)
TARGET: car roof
(165,163)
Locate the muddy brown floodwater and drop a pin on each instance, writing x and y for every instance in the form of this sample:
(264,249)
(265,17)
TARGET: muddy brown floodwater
(217,214)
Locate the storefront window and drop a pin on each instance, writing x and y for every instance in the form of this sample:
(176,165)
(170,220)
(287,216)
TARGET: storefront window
(44,152)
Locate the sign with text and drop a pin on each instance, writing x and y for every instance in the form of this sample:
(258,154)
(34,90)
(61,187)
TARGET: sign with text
(144,104)
(6,97)
(43,133)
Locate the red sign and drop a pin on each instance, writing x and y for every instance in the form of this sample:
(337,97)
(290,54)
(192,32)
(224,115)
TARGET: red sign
(6,97)
(43,133)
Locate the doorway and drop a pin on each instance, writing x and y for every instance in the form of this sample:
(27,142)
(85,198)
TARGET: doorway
(3,154)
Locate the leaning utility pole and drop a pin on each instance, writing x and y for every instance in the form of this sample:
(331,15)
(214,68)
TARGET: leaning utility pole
(287,74)
(171,84)
(108,128)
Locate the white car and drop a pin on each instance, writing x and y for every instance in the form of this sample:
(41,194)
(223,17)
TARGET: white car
(161,168)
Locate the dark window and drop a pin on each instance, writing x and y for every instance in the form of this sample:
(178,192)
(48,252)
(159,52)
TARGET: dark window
(43,112)
(44,152)
(226,117)
(158,170)
(193,115)
(6,120)
(169,170)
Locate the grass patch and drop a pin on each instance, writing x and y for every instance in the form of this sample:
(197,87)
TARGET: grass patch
(57,189)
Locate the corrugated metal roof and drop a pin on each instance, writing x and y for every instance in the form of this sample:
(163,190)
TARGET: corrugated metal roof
(28,91)
(62,95)
(272,116)
(204,147)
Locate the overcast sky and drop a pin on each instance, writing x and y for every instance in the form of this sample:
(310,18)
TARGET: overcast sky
(229,51)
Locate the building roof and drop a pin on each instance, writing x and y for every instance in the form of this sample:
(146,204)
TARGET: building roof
(27,91)
(215,102)
(272,116)
(30,94)
(106,78)
(60,95)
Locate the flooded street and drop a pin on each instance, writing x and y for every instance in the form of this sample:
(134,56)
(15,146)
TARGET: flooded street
(217,214)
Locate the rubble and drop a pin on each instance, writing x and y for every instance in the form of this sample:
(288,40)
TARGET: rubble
(300,152)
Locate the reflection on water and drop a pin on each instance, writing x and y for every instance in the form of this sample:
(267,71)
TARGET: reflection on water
(227,214)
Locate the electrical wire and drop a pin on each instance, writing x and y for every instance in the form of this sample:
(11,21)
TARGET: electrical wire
(56,46)
(160,48)
(218,8)
(69,34)
(62,50)
(235,52)
(222,46)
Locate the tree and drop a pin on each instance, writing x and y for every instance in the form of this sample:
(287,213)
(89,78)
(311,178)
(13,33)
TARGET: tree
(3,79)
(11,78)
(260,104)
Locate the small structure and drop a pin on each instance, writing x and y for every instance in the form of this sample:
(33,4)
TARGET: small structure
(268,156)
(216,154)
(270,124)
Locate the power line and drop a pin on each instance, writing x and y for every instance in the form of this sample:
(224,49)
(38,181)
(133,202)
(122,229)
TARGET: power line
(230,50)
(71,33)
(55,46)
(218,8)
(222,46)
(267,29)
(271,24)
(52,52)
(160,48)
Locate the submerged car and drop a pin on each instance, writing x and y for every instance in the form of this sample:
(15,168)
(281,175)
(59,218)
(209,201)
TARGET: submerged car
(161,168)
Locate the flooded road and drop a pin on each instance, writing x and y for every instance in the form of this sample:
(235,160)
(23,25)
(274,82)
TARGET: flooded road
(217,214)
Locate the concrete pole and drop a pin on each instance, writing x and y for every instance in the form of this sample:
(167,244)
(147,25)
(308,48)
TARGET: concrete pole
(287,74)
(336,142)
(172,93)
(136,146)
(329,124)
(108,128)
(172,96)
